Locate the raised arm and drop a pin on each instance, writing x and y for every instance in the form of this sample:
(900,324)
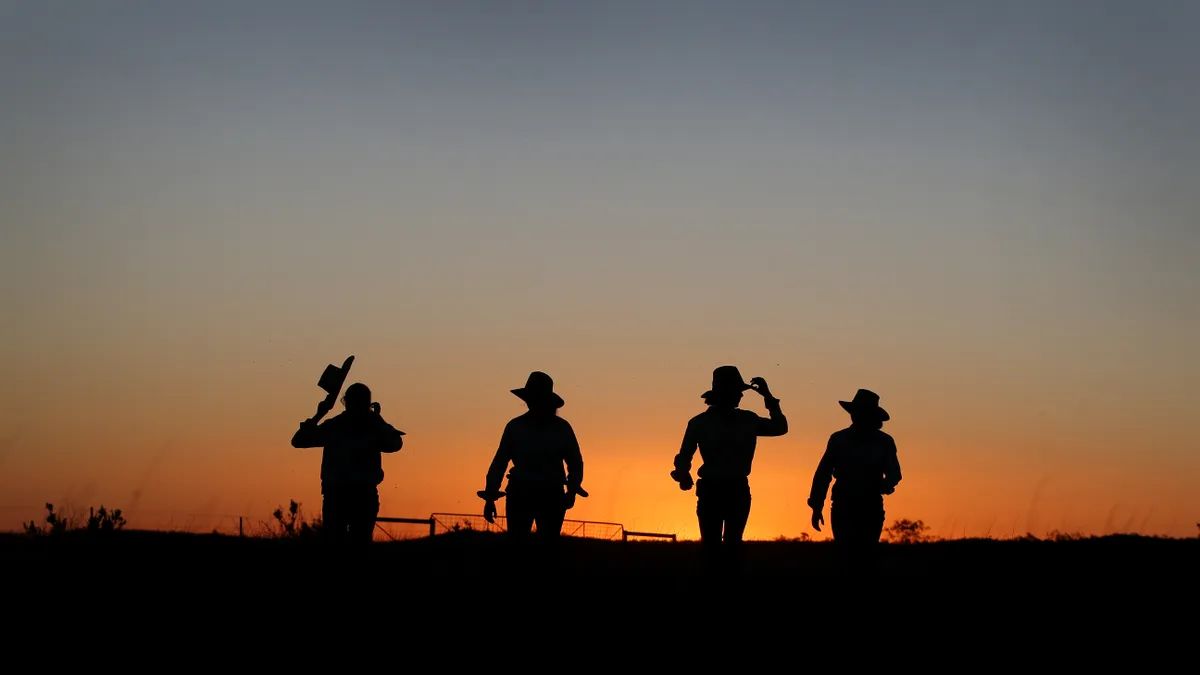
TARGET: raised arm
(391,439)
(777,424)
(309,435)
(891,470)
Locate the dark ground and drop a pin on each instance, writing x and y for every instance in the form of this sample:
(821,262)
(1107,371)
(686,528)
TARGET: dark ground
(1007,590)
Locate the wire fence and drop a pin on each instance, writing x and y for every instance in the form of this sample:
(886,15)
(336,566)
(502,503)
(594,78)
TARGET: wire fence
(386,528)
(442,523)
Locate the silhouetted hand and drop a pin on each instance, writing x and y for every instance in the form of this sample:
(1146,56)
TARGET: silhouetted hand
(817,519)
(376,407)
(324,407)
(760,385)
(569,499)
(489,511)
(888,489)
(684,480)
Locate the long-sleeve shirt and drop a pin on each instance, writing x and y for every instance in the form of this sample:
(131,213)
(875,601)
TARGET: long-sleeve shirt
(726,439)
(863,462)
(353,443)
(538,447)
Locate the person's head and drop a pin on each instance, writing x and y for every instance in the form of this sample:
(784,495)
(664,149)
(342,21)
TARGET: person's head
(727,399)
(357,398)
(727,388)
(865,411)
(865,420)
(538,394)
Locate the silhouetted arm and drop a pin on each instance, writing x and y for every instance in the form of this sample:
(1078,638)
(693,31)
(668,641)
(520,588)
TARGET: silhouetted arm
(687,450)
(822,477)
(309,435)
(390,438)
(777,424)
(891,470)
(495,474)
(574,459)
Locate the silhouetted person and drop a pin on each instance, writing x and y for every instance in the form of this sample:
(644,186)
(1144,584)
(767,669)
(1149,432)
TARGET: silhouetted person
(351,464)
(538,443)
(726,436)
(862,459)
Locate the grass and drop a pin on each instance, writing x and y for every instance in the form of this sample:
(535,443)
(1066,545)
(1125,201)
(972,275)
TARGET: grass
(469,585)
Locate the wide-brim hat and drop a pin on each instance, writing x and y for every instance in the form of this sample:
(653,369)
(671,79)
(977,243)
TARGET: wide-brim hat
(539,388)
(726,380)
(865,401)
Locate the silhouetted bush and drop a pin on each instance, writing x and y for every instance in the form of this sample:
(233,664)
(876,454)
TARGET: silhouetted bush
(906,531)
(292,524)
(99,520)
(103,521)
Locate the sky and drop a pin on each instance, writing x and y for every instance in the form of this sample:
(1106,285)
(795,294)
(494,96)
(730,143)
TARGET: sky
(986,214)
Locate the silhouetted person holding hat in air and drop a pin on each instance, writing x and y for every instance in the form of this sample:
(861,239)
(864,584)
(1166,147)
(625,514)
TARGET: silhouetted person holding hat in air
(862,459)
(538,444)
(351,465)
(726,437)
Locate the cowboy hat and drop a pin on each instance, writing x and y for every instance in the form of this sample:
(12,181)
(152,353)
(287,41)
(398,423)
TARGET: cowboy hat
(539,388)
(865,401)
(726,380)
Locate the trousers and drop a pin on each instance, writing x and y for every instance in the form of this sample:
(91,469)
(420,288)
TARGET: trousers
(545,506)
(857,525)
(348,513)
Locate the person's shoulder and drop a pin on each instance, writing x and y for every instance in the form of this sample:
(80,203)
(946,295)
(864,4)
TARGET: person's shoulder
(885,437)
(840,434)
(334,422)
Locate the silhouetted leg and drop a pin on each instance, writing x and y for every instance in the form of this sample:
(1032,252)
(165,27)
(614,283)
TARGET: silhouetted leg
(519,515)
(550,521)
(361,524)
(333,523)
(856,531)
(711,516)
(550,516)
(736,516)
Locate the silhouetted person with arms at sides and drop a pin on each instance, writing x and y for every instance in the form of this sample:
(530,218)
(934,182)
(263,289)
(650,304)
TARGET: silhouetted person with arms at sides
(538,444)
(726,437)
(352,463)
(862,459)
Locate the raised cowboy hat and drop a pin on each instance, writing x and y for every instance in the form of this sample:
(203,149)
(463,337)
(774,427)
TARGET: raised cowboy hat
(867,401)
(726,380)
(539,388)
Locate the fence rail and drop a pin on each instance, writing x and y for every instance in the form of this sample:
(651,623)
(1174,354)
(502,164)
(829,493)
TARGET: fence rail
(442,523)
(648,535)
(435,524)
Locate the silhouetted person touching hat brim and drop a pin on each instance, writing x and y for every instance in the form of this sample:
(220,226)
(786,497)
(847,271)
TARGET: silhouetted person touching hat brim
(351,464)
(726,437)
(862,460)
(538,444)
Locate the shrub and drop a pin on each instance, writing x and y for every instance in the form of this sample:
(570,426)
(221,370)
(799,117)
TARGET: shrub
(99,520)
(292,524)
(906,531)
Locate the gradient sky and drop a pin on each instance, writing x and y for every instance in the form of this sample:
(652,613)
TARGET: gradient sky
(986,214)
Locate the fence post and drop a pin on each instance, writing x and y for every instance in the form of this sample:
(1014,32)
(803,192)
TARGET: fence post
(241,532)
(432,526)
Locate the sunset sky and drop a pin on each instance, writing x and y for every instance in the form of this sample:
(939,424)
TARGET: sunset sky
(988,215)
